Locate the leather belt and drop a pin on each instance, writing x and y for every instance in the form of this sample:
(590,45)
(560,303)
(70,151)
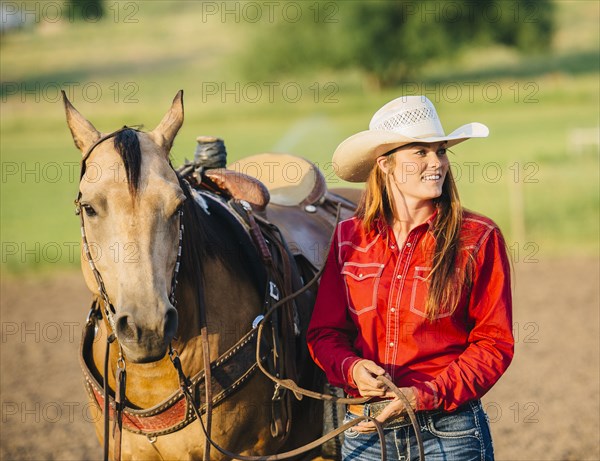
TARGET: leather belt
(374,410)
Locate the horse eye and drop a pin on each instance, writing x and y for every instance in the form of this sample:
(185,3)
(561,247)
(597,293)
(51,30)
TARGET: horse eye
(89,210)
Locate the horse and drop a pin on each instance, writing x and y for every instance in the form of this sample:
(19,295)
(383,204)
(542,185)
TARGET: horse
(164,262)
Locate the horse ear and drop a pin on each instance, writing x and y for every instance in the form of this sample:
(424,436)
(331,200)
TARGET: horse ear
(167,129)
(83,132)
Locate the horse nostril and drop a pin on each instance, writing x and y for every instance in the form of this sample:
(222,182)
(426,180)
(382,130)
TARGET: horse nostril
(127,331)
(170,324)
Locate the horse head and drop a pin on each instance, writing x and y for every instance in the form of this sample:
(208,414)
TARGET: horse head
(130,199)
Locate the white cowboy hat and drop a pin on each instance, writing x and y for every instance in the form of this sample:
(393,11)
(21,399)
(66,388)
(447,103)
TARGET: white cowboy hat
(404,120)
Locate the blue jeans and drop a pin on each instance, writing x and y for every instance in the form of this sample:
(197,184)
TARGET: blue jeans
(463,435)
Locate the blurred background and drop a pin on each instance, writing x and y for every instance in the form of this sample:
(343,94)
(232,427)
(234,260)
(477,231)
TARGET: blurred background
(299,77)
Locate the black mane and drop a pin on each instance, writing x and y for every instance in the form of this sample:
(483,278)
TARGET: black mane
(127,145)
(217,236)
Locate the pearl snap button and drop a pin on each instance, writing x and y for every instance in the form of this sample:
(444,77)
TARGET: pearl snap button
(399,276)
(408,244)
(393,309)
(360,275)
(391,344)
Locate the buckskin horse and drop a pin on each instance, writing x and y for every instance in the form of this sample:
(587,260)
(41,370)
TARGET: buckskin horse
(180,276)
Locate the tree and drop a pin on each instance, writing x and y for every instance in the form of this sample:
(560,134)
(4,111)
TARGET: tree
(392,40)
(90,10)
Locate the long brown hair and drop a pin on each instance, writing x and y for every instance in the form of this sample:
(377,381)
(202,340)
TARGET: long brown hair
(446,281)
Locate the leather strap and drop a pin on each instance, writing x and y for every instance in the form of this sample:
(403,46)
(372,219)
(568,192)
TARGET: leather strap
(229,373)
(109,340)
(120,379)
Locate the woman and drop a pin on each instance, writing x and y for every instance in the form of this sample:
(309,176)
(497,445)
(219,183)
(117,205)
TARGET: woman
(415,287)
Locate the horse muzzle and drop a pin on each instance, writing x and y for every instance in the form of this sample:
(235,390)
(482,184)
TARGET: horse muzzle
(144,341)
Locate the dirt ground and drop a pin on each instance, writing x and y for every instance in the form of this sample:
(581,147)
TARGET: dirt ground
(545,408)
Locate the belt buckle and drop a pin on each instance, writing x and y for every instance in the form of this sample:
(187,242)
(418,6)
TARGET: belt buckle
(375,409)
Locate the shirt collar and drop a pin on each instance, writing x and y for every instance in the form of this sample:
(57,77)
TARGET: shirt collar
(381,226)
(431,220)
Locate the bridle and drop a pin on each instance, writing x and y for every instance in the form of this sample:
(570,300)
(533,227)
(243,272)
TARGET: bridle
(184,381)
(109,310)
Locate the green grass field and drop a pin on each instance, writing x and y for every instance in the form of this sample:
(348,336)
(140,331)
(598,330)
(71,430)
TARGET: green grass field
(527,175)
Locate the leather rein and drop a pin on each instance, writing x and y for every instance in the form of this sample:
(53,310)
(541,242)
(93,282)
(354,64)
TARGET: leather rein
(299,392)
(187,385)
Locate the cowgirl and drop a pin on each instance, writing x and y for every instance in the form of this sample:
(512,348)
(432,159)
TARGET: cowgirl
(415,287)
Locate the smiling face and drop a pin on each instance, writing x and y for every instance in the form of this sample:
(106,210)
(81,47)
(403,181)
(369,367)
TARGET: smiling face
(417,172)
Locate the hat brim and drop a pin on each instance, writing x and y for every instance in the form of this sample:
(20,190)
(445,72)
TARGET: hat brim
(354,157)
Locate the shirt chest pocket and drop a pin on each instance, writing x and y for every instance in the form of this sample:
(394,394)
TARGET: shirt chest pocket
(362,282)
(419,291)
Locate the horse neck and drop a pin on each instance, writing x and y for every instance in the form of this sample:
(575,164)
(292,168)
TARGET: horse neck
(231,303)
(218,278)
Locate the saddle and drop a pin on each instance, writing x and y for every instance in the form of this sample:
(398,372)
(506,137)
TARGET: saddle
(291,193)
(290,180)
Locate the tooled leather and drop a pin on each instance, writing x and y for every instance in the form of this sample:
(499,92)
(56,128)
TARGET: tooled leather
(174,413)
(305,237)
(240,186)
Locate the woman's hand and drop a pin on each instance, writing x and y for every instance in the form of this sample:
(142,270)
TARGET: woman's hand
(393,409)
(365,373)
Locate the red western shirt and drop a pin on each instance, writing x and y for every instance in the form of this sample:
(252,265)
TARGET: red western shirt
(371,305)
